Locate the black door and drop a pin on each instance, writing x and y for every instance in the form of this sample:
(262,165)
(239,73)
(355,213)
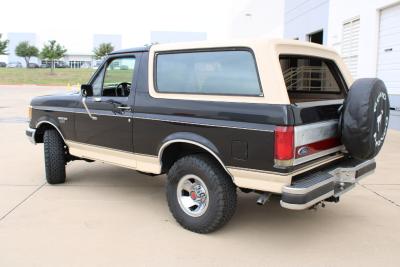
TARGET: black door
(110,124)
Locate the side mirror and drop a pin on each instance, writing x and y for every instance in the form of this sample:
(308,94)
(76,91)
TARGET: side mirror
(86,90)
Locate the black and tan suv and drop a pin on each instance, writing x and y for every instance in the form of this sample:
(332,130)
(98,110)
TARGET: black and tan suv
(271,117)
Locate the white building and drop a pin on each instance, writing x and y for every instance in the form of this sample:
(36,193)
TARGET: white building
(306,20)
(85,58)
(365,33)
(79,60)
(257,19)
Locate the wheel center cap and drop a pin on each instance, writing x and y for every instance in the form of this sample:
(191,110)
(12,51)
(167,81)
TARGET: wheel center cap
(193,195)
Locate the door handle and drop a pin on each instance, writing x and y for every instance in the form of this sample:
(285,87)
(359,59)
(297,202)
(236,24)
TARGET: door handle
(127,108)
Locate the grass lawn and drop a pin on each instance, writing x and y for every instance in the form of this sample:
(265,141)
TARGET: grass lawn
(44,77)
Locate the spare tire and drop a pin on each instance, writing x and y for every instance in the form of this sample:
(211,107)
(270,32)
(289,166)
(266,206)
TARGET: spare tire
(365,118)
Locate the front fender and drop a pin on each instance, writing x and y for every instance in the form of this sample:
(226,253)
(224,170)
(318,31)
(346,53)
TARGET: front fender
(43,121)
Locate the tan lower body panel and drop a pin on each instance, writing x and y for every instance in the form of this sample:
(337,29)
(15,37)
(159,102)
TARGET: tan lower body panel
(270,182)
(258,180)
(242,178)
(245,178)
(144,163)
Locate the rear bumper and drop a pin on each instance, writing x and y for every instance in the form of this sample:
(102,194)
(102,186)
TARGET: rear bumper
(30,133)
(312,188)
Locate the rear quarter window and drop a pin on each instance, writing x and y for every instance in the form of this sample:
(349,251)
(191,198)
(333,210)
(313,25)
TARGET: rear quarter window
(311,78)
(207,72)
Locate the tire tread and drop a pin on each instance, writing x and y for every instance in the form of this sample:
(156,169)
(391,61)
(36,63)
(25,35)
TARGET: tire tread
(54,157)
(225,192)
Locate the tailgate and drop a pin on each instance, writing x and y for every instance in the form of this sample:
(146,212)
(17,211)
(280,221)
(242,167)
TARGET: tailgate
(316,140)
(316,90)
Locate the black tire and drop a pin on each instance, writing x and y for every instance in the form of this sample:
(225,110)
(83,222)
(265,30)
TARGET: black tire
(54,157)
(365,118)
(221,193)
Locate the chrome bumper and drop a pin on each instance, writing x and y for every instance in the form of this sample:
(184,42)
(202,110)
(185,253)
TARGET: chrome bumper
(30,133)
(331,182)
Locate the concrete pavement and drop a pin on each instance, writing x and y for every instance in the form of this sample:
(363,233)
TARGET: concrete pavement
(110,216)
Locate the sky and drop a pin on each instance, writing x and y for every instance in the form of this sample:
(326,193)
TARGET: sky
(75,21)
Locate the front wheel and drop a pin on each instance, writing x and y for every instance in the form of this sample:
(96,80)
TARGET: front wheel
(201,196)
(54,157)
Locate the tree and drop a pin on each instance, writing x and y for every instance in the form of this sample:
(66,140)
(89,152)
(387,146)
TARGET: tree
(25,50)
(3,46)
(103,50)
(52,51)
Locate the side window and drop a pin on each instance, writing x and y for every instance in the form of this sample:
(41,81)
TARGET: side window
(213,72)
(118,77)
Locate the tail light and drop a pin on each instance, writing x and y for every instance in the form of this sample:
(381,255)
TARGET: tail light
(284,145)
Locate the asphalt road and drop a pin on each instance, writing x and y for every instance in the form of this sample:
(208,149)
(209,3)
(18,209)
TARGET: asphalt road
(110,216)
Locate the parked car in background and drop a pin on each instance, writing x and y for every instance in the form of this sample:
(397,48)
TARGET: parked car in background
(33,66)
(14,64)
(57,64)
(61,64)
(45,65)
(3,65)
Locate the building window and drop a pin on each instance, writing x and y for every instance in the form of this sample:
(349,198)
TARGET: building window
(350,43)
(80,64)
(316,37)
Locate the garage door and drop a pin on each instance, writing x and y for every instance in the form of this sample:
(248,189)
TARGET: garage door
(389,48)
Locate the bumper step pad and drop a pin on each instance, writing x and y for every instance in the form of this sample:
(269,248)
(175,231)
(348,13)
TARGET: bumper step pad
(308,191)
(316,187)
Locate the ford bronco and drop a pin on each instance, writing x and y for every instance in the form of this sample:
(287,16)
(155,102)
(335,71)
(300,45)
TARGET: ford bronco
(270,117)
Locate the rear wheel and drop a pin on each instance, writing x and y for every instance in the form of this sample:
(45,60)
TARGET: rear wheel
(54,157)
(201,196)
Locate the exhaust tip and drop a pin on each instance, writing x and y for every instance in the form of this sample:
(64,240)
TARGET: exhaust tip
(263,198)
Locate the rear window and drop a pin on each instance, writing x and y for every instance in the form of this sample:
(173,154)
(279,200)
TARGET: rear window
(213,73)
(311,78)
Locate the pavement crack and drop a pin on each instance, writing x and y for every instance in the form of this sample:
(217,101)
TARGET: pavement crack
(379,195)
(22,202)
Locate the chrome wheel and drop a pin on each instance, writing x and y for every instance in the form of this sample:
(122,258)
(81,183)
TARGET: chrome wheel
(192,195)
